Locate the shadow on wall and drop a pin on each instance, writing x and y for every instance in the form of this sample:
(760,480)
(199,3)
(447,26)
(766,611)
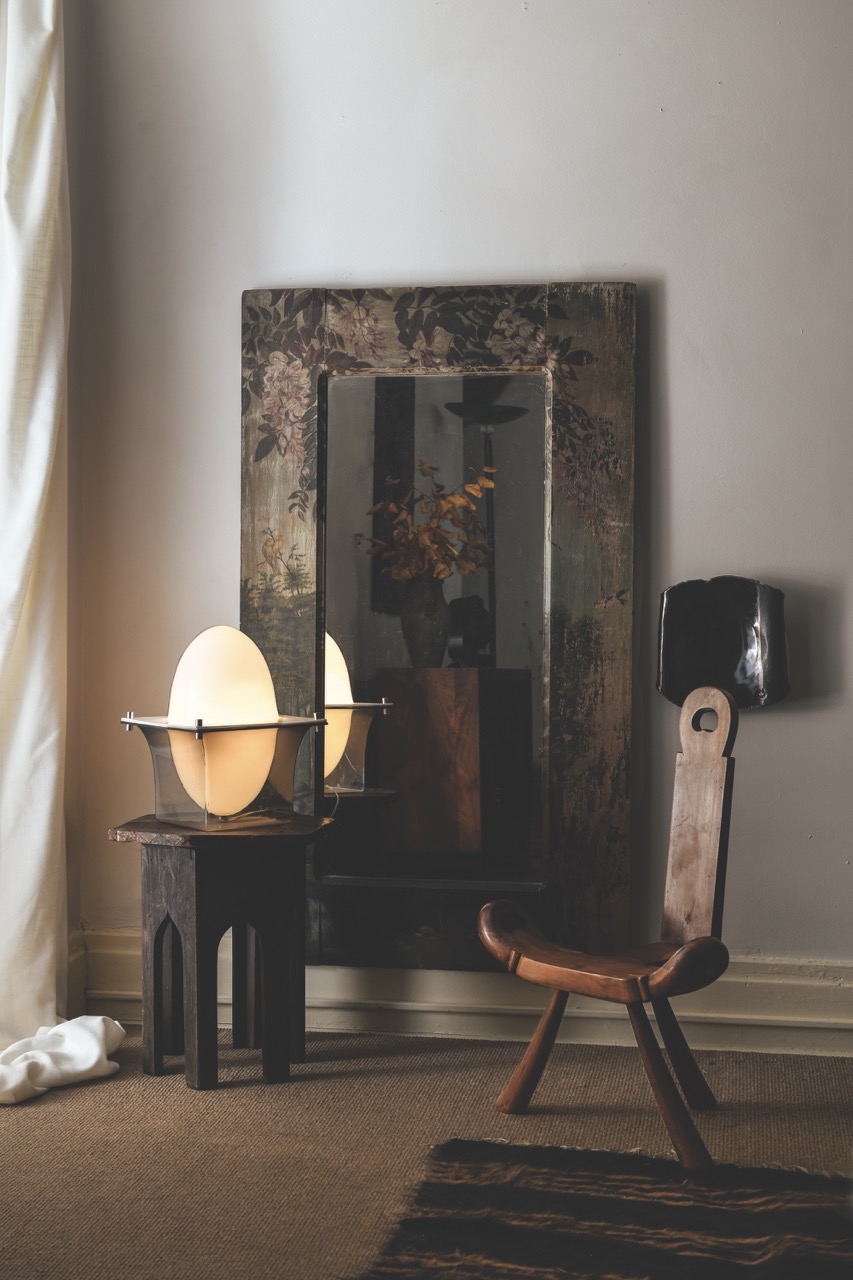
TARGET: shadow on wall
(814,626)
(651,521)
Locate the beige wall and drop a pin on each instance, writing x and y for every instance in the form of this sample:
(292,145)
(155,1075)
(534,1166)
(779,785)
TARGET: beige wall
(701,150)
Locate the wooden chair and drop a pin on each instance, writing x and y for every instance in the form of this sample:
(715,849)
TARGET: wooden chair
(688,956)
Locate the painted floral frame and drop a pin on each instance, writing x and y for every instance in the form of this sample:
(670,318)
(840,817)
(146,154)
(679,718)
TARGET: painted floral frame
(583,337)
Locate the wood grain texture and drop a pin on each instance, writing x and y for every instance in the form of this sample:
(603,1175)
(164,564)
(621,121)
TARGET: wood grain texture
(515,1098)
(694,1086)
(428,752)
(699,828)
(687,1143)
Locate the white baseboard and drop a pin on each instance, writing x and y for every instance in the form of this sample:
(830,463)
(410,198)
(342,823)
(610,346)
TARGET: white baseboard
(759,1005)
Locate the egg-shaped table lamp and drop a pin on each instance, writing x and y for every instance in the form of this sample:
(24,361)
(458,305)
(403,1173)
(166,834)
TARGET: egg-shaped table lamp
(223,750)
(347,725)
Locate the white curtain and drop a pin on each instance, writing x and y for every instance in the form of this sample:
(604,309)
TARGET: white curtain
(34,301)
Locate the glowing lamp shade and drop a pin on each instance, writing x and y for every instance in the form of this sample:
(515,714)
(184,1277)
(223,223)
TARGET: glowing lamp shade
(339,718)
(223,753)
(223,679)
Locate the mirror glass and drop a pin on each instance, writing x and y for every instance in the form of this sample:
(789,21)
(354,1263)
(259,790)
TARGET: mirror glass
(436,564)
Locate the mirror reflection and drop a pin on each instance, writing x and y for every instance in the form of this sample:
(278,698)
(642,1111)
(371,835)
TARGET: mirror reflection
(436,560)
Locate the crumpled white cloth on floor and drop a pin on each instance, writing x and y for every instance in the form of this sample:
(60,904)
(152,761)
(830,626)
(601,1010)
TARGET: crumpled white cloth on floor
(65,1054)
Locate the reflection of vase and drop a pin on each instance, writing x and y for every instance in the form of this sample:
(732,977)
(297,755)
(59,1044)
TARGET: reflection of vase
(425,619)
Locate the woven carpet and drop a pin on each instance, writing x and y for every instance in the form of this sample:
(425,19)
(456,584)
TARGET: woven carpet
(137,1177)
(489,1211)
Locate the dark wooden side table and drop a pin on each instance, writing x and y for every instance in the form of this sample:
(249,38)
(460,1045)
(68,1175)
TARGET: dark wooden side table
(249,876)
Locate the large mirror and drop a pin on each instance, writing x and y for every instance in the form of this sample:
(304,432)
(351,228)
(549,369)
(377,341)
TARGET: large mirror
(436,565)
(481,437)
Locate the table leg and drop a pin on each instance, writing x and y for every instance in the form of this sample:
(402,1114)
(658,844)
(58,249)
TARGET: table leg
(296,928)
(152,996)
(155,922)
(255,1004)
(276,1054)
(200,1033)
(240,996)
(172,988)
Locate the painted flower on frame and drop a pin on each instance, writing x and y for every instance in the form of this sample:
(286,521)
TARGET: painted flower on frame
(512,337)
(290,336)
(561,360)
(430,352)
(286,397)
(357,322)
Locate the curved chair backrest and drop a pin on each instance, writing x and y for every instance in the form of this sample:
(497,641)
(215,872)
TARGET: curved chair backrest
(699,830)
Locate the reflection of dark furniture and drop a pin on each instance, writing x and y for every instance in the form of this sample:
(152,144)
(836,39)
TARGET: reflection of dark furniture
(688,957)
(457,751)
(195,885)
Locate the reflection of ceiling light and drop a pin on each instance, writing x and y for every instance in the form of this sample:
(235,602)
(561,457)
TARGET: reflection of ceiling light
(223,741)
(485,415)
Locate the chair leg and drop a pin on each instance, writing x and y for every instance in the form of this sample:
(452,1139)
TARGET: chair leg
(689,1147)
(516,1096)
(694,1086)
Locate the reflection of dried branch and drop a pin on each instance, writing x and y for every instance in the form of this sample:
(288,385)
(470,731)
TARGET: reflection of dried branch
(431,534)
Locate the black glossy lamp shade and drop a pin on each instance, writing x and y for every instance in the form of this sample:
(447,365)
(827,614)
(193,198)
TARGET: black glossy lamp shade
(728,632)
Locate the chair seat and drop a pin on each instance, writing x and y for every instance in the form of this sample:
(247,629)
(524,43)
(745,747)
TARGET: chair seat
(634,976)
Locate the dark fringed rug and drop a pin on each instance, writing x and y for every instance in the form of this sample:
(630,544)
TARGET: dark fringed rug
(489,1211)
